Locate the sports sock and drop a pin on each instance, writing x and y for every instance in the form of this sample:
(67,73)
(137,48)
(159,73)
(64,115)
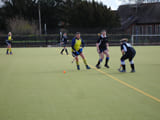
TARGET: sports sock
(10,50)
(62,50)
(99,61)
(77,62)
(132,66)
(85,62)
(7,51)
(107,59)
(124,67)
(66,51)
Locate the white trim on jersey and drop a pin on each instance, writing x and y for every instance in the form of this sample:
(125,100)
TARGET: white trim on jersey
(124,48)
(102,38)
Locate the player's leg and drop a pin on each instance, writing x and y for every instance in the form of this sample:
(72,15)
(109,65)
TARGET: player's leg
(106,52)
(101,55)
(77,60)
(7,52)
(62,43)
(84,60)
(132,63)
(62,51)
(123,58)
(10,49)
(77,63)
(66,50)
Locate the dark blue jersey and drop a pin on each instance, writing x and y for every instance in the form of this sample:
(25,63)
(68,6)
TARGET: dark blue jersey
(64,39)
(128,49)
(102,41)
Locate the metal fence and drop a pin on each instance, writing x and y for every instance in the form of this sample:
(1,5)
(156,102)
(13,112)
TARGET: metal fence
(150,39)
(54,40)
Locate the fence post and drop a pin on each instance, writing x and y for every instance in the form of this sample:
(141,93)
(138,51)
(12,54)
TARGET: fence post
(132,41)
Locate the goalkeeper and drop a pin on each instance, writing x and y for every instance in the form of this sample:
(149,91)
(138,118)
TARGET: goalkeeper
(77,50)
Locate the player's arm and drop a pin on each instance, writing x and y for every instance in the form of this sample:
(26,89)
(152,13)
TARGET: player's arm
(73,43)
(62,41)
(83,44)
(67,39)
(8,38)
(123,52)
(107,44)
(97,45)
(122,49)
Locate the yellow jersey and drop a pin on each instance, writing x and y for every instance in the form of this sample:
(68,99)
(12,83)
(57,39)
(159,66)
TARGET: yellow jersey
(76,44)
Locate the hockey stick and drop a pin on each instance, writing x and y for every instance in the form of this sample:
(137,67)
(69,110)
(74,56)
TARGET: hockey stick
(73,60)
(74,57)
(120,67)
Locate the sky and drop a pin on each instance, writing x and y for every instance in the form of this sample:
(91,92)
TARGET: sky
(110,3)
(0,3)
(114,4)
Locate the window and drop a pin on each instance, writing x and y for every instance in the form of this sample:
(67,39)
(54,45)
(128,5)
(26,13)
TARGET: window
(137,29)
(149,29)
(159,29)
(141,29)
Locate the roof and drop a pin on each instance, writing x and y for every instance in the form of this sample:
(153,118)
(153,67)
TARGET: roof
(147,13)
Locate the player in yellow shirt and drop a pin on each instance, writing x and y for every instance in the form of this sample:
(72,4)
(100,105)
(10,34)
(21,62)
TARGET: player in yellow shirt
(9,41)
(77,50)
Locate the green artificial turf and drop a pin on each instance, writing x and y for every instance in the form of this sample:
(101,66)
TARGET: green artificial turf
(34,87)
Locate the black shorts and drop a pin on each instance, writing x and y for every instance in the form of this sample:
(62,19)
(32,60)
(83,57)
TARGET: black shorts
(64,45)
(102,49)
(74,54)
(129,56)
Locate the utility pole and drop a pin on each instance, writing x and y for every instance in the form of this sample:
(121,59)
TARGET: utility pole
(39,14)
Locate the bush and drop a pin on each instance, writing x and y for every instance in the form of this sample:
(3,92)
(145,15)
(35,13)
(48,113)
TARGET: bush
(21,26)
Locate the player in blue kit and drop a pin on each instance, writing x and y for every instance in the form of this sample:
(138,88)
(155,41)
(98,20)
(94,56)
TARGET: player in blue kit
(9,42)
(77,49)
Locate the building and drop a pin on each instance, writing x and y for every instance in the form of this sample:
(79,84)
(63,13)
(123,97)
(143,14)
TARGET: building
(140,18)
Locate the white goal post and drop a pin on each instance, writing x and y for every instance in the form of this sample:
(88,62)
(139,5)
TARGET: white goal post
(148,39)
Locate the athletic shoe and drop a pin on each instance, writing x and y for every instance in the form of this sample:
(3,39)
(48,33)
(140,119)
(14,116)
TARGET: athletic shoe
(61,53)
(11,53)
(98,67)
(87,67)
(132,71)
(106,66)
(123,71)
(78,67)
